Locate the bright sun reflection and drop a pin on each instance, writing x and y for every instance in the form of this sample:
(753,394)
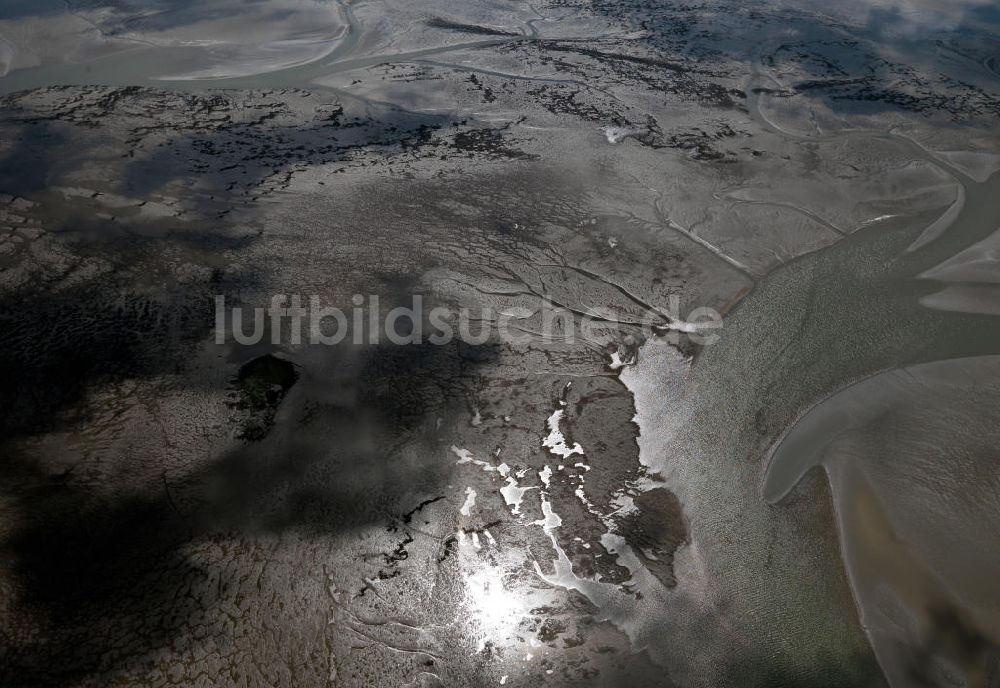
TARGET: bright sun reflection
(496,611)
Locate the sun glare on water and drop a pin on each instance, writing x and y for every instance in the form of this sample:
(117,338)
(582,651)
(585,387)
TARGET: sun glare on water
(495,611)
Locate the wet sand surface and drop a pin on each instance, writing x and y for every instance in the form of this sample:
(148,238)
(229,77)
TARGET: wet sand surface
(621,509)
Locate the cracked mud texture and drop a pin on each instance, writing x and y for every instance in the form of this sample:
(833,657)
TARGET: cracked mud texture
(175,511)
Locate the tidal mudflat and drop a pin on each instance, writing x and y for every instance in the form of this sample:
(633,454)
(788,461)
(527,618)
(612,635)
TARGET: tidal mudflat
(810,498)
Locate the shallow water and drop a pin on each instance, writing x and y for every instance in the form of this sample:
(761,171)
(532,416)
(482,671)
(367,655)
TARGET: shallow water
(136,43)
(910,455)
(877,319)
(819,323)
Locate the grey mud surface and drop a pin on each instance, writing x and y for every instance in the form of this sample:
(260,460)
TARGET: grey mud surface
(613,511)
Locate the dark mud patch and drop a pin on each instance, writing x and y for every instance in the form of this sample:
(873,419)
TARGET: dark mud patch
(655,531)
(489,143)
(260,385)
(440,23)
